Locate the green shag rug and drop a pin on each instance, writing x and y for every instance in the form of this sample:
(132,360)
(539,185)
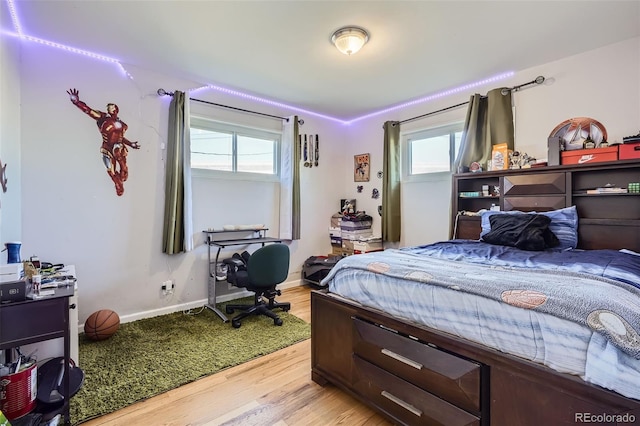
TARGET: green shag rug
(151,356)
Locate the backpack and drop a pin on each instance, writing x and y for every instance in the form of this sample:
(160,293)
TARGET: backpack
(316,268)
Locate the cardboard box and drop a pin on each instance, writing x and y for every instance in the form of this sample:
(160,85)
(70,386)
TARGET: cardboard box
(367,246)
(356,235)
(336,251)
(629,151)
(347,225)
(588,156)
(500,157)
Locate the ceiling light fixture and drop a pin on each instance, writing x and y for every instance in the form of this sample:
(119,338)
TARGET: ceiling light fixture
(349,40)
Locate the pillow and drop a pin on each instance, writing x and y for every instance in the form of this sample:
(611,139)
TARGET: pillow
(564,224)
(524,231)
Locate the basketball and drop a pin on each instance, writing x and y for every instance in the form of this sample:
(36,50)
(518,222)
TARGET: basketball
(101,324)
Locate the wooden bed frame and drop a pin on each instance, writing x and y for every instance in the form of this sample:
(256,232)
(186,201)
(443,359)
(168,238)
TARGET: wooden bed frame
(416,375)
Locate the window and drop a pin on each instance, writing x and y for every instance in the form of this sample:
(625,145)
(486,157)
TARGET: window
(432,151)
(222,147)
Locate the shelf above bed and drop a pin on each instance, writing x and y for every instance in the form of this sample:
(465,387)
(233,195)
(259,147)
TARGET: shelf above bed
(604,217)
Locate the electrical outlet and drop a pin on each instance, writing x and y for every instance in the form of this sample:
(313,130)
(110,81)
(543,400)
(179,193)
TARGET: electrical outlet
(167,287)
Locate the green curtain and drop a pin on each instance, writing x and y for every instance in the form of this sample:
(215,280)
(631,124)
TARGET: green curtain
(177,230)
(489,122)
(391,190)
(295,207)
(290,181)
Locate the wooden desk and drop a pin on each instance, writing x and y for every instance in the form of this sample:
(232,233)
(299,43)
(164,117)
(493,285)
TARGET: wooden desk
(32,321)
(257,236)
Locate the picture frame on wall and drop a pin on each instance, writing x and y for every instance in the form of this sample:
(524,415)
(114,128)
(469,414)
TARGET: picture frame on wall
(361,167)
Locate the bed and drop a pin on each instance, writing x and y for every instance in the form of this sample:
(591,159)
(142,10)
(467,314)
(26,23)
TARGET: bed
(467,332)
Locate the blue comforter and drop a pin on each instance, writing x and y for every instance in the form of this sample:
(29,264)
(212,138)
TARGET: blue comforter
(611,264)
(598,289)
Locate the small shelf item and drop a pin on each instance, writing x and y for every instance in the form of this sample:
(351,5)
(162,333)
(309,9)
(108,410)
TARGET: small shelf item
(607,189)
(631,139)
(470,194)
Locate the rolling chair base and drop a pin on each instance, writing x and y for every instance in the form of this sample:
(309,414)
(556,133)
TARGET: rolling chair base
(260,307)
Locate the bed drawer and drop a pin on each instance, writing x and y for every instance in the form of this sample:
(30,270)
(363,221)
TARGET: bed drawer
(405,402)
(450,377)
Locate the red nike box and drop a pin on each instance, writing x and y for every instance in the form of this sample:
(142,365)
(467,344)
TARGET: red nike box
(588,156)
(629,151)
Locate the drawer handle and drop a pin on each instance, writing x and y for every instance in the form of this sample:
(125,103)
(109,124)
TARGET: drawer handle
(401,403)
(402,359)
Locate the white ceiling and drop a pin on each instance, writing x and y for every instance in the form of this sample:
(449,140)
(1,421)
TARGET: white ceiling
(280,50)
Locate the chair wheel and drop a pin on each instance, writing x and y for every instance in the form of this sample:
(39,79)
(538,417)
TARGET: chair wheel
(235,324)
(285,309)
(228,310)
(277,321)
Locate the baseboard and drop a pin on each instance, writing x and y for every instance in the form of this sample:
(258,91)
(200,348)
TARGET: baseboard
(181,307)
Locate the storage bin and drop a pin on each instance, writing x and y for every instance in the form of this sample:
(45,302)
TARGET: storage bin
(18,392)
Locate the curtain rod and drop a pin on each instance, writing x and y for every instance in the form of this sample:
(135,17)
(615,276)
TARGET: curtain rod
(162,92)
(539,80)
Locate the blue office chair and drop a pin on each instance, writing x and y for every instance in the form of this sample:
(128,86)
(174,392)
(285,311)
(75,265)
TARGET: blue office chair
(260,273)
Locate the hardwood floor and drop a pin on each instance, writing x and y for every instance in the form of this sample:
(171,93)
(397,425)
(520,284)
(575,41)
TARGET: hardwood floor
(275,389)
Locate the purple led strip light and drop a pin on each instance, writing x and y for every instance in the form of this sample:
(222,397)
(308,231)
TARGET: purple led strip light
(16,24)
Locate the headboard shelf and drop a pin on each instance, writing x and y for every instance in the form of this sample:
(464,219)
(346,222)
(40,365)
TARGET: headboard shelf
(606,220)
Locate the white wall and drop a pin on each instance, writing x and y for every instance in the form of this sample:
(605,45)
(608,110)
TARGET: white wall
(70,212)
(72,215)
(602,84)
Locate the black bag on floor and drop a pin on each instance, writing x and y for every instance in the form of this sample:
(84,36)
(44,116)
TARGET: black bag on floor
(316,268)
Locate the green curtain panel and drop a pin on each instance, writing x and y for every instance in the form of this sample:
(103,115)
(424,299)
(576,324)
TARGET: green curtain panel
(295,207)
(391,189)
(177,230)
(489,122)
(290,180)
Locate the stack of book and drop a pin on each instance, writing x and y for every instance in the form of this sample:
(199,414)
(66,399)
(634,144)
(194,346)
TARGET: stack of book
(470,194)
(607,190)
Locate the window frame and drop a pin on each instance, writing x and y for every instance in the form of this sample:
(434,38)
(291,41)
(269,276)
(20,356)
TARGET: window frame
(406,138)
(205,123)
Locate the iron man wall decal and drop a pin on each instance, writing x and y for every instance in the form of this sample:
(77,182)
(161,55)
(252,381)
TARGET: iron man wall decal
(114,145)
